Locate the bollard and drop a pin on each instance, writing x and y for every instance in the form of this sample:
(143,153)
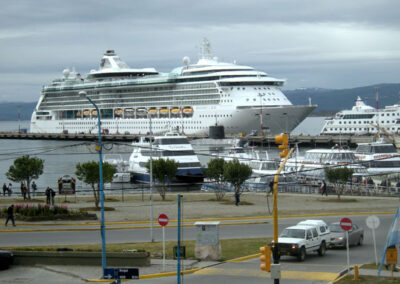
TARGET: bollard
(355,272)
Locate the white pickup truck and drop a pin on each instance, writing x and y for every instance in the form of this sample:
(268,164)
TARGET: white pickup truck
(301,240)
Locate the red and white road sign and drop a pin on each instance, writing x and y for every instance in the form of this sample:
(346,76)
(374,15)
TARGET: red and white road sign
(346,224)
(163,220)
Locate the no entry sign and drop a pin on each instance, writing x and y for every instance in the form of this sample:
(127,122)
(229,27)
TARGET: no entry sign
(346,224)
(163,220)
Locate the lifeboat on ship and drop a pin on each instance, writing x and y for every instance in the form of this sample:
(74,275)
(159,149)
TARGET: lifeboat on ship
(164,111)
(94,113)
(118,112)
(78,114)
(175,111)
(153,112)
(129,113)
(141,112)
(86,113)
(187,111)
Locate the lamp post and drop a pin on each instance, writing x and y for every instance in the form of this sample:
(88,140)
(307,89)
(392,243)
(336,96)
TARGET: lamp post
(261,120)
(151,178)
(83,94)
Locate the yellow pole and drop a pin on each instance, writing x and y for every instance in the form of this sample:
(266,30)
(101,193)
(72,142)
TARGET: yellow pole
(275,211)
(355,272)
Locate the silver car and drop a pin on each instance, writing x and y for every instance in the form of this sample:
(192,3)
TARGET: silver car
(338,235)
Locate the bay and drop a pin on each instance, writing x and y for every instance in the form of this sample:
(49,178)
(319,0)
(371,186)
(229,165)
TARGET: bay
(60,157)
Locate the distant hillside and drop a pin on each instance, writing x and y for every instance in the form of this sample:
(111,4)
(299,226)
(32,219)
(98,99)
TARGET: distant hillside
(329,100)
(9,111)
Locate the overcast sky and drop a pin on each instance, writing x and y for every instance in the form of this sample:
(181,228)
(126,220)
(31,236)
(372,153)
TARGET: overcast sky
(311,43)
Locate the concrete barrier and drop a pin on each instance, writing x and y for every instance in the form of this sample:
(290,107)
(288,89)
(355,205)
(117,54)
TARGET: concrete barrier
(120,259)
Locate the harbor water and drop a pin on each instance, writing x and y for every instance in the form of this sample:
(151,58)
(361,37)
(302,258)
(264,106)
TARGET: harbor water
(60,157)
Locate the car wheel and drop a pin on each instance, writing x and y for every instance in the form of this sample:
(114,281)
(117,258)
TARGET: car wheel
(360,240)
(302,254)
(322,249)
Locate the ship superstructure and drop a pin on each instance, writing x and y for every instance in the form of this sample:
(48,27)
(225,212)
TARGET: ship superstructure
(190,98)
(363,120)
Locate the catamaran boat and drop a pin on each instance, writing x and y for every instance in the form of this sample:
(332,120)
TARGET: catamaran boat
(379,157)
(172,146)
(192,97)
(314,162)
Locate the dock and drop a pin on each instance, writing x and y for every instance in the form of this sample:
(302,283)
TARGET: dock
(304,140)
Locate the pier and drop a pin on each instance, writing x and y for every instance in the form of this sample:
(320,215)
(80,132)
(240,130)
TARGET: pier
(304,140)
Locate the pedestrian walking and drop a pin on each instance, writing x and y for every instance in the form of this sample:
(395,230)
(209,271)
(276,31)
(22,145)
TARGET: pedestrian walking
(10,215)
(323,189)
(271,186)
(9,189)
(34,188)
(237,197)
(5,189)
(48,194)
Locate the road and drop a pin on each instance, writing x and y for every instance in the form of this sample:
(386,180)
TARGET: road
(244,272)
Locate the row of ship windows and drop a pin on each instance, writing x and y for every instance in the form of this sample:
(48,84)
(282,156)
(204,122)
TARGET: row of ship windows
(361,129)
(136,90)
(273,99)
(94,122)
(216,115)
(368,122)
(255,88)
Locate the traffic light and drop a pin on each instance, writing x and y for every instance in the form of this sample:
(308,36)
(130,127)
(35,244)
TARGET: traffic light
(283,140)
(265,258)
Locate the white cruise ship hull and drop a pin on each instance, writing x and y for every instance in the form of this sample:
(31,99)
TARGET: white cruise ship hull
(276,119)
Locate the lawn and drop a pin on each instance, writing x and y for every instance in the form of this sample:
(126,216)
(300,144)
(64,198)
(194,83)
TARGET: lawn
(231,248)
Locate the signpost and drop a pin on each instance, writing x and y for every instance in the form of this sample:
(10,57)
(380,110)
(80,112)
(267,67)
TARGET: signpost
(373,223)
(163,221)
(346,225)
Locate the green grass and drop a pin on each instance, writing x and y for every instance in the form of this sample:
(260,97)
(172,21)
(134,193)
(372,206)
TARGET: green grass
(231,248)
(349,279)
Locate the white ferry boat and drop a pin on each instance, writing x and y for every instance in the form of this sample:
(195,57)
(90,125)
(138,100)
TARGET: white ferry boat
(172,146)
(192,97)
(363,120)
(379,157)
(314,162)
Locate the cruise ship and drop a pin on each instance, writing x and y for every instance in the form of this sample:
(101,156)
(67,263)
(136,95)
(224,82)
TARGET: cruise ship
(363,119)
(190,98)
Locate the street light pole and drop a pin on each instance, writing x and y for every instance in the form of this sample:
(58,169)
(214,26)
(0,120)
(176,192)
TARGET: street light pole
(99,147)
(261,119)
(151,179)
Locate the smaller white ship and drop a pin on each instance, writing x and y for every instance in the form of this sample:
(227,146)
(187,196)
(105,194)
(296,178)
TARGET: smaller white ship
(172,146)
(364,120)
(314,162)
(379,157)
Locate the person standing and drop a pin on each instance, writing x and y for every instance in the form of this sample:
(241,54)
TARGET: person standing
(271,186)
(23,190)
(324,190)
(5,189)
(53,194)
(34,188)
(237,197)
(10,215)
(9,189)
(48,193)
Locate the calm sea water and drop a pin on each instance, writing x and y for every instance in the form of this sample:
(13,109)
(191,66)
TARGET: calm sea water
(60,157)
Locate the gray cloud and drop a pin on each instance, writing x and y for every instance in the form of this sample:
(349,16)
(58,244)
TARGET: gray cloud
(310,42)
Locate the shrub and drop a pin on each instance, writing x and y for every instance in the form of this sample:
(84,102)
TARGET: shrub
(40,210)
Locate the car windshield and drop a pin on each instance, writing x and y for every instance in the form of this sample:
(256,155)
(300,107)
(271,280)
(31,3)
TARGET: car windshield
(293,233)
(335,228)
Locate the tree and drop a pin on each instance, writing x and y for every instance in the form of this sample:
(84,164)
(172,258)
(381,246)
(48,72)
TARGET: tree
(236,173)
(163,170)
(339,177)
(89,173)
(25,169)
(215,171)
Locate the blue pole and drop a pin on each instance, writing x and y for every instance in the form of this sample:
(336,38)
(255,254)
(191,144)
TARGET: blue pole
(178,257)
(102,227)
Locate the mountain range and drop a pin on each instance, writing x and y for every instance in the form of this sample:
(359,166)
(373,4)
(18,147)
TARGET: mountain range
(328,100)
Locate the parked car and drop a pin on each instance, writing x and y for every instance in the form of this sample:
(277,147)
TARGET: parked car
(301,240)
(338,235)
(6,259)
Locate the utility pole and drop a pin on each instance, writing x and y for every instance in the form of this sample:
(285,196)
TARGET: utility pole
(151,179)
